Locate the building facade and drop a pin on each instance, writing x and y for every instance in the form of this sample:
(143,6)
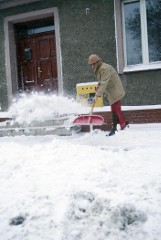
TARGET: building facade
(45,44)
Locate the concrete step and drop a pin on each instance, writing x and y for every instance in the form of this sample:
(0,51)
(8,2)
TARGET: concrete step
(38,128)
(35,131)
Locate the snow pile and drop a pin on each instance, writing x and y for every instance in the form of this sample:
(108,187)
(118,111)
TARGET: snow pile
(82,187)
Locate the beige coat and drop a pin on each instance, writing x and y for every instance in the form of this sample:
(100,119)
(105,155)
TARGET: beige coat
(109,83)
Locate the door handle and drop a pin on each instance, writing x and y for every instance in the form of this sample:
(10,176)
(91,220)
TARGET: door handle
(39,72)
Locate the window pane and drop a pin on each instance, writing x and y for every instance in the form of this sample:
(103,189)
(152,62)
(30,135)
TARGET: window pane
(26,30)
(133,32)
(40,29)
(154,29)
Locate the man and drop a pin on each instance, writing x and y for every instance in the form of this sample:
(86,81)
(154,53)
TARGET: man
(109,84)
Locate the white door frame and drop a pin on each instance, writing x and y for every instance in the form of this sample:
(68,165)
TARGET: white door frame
(10,46)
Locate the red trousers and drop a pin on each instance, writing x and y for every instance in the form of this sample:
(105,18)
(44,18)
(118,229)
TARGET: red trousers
(116,107)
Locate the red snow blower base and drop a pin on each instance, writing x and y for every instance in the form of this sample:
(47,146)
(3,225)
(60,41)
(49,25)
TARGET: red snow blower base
(93,120)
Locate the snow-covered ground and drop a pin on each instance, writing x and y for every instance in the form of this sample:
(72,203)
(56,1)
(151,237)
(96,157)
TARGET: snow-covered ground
(82,187)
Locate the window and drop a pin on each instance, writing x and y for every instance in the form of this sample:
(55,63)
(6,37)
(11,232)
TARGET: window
(132,33)
(154,29)
(140,33)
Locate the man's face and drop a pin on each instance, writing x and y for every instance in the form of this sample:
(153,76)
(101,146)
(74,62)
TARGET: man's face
(93,65)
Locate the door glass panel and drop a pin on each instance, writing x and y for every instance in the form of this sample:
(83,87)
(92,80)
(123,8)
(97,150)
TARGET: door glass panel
(154,29)
(40,29)
(26,30)
(133,32)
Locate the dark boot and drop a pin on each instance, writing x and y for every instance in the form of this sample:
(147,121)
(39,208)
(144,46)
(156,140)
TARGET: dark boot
(114,127)
(112,132)
(126,124)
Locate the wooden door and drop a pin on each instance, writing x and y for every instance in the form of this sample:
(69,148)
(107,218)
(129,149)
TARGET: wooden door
(37,65)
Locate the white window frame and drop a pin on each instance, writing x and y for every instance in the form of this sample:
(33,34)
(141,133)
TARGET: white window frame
(121,44)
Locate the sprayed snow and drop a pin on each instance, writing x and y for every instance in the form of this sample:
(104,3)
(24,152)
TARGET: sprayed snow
(28,108)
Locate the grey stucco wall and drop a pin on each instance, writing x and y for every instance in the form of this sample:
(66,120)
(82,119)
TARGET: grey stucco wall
(142,88)
(82,35)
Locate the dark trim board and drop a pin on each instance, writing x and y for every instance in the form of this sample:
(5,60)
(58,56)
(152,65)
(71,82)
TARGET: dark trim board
(4,119)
